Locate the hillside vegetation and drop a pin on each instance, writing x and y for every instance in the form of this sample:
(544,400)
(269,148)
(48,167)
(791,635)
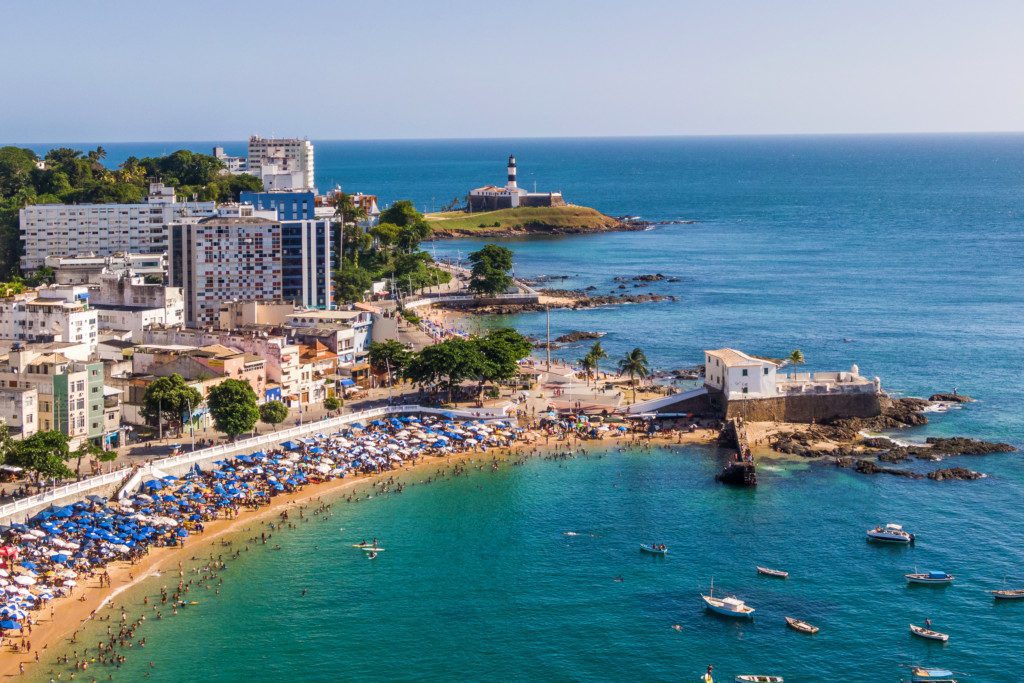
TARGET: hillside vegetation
(524,220)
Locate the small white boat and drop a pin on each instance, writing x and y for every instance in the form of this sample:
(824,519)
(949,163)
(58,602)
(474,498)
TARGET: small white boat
(653,549)
(777,573)
(1014,594)
(930,578)
(922,632)
(890,533)
(802,626)
(729,607)
(754,678)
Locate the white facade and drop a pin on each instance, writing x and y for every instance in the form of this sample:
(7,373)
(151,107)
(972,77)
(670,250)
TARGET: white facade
(58,230)
(738,375)
(220,259)
(232,165)
(19,410)
(125,302)
(282,163)
(88,269)
(49,314)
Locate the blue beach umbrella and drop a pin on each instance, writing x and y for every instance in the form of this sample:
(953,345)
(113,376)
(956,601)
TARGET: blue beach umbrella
(9,624)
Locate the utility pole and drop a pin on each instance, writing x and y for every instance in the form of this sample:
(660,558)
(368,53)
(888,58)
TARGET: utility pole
(547,311)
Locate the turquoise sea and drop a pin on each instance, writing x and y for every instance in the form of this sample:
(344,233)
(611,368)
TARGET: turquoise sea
(903,254)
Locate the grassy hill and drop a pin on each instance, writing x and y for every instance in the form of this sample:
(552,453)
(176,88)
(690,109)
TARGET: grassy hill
(523,221)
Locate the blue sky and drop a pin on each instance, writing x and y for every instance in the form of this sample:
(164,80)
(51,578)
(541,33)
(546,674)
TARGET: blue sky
(220,70)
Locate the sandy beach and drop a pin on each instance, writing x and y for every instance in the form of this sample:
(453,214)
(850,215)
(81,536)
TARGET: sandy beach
(55,627)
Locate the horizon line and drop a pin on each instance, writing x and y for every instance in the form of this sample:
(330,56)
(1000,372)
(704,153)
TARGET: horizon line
(546,137)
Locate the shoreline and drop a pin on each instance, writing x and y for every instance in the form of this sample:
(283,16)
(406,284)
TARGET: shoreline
(50,635)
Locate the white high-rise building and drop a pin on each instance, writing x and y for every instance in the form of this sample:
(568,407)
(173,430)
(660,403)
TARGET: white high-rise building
(103,229)
(56,313)
(282,163)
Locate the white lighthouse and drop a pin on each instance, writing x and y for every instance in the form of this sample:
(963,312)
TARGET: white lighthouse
(511,172)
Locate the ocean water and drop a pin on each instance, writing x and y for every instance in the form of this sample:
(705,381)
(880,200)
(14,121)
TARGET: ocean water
(903,254)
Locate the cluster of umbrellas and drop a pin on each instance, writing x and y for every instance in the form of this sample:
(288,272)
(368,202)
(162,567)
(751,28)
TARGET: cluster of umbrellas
(45,558)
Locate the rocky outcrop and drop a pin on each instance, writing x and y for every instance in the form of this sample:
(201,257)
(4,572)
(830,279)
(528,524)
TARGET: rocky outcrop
(950,398)
(577,335)
(869,467)
(958,445)
(959,473)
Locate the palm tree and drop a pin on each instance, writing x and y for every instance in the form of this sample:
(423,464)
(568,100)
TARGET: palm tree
(634,364)
(796,358)
(588,363)
(598,353)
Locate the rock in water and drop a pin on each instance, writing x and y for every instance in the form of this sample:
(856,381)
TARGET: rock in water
(961,473)
(951,398)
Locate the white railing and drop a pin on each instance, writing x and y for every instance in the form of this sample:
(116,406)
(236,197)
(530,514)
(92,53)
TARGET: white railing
(188,459)
(429,301)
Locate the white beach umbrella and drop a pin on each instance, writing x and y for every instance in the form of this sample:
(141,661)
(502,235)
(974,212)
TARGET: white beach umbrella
(24,580)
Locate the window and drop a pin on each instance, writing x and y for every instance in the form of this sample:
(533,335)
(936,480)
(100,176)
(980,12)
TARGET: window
(766,371)
(745,390)
(744,373)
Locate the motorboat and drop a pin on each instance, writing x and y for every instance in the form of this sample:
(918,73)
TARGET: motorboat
(777,573)
(929,634)
(1014,594)
(802,626)
(729,607)
(930,578)
(653,549)
(922,674)
(754,678)
(890,533)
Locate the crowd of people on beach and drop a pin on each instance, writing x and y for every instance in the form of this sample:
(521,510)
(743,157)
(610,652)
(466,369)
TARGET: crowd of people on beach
(46,557)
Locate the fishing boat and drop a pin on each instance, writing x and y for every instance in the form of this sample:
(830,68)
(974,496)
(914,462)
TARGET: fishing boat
(729,607)
(654,550)
(777,573)
(748,678)
(930,578)
(921,674)
(802,626)
(890,533)
(922,632)
(1014,594)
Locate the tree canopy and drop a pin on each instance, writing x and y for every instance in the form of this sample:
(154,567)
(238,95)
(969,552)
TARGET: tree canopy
(170,399)
(490,272)
(491,358)
(635,365)
(68,176)
(389,357)
(44,453)
(233,407)
(273,412)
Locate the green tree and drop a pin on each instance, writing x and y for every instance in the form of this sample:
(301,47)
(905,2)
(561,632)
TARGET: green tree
(796,359)
(501,350)
(86,449)
(44,454)
(490,270)
(233,407)
(597,354)
(273,413)
(635,365)
(447,364)
(389,358)
(589,365)
(168,399)
(351,281)
(331,403)
(6,442)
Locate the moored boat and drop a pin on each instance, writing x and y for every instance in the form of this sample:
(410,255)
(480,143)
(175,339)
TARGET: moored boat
(729,607)
(653,549)
(755,678)
(890,533)
(930,578)
(777,573)
(1014,594)
(802,626)
(922,674)
(922,632)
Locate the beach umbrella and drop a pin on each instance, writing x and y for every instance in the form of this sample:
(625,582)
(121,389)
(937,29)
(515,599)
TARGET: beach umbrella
(9,624)
(24,580)
(70,583)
